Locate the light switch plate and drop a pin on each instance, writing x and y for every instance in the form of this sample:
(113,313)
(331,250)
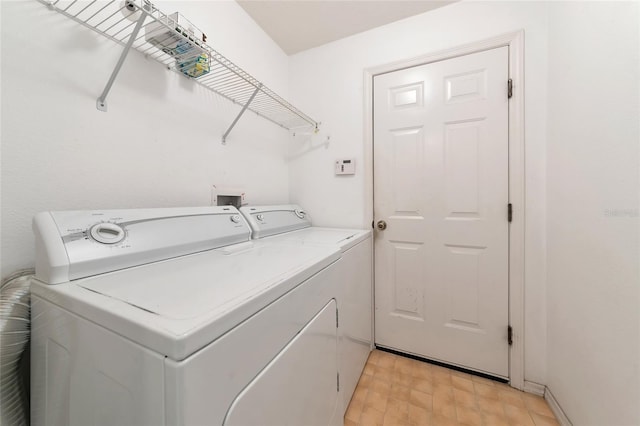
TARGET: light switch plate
(346,166)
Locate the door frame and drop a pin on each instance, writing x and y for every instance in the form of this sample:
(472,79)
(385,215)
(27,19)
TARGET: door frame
(515,42)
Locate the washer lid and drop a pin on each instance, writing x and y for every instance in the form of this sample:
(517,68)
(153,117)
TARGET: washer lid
(190,287)
(178,306)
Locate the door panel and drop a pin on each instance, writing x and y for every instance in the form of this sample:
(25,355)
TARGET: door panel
(407,149)
(406,275)
(441,184)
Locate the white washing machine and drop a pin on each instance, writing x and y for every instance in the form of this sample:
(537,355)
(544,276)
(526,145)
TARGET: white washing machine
(174,317)
(289,224)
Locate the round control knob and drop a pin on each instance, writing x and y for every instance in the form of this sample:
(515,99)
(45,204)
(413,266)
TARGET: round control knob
(300,213)
(107,233)
(235,218)
(260,217)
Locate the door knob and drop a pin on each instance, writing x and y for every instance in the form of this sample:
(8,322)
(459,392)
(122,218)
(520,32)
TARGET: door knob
(382,225)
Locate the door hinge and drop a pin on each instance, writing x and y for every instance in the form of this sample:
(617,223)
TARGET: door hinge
(510,212)
(338,381)
(510,335)
(509,88)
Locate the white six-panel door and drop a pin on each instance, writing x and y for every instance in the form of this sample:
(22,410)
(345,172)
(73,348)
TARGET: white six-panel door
(441,187)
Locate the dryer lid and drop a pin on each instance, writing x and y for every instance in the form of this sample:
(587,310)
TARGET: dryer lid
(341,237)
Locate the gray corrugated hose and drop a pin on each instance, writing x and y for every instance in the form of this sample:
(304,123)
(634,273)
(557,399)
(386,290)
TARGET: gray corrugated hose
(15,325)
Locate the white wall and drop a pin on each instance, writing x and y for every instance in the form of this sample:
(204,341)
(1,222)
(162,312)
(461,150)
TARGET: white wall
(327,83)
(159,144)
(592,209)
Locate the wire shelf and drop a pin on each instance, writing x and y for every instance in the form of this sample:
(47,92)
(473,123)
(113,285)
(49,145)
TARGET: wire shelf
(117,21)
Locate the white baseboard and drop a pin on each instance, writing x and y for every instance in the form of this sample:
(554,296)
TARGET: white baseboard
(555,407)
(534,388)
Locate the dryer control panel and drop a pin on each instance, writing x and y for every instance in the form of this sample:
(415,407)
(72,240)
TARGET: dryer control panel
(272,220)
(77,244)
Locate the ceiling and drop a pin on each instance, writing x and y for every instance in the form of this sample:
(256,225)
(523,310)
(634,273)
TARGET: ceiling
(297,25)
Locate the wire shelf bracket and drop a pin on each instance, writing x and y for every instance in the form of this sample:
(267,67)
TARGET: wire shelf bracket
(135,24)
(101,103)
(244,108)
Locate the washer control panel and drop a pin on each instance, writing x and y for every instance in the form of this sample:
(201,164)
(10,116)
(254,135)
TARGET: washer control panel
(77,244)
(273,220)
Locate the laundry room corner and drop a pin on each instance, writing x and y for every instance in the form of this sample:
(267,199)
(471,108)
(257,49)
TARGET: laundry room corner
(159,143)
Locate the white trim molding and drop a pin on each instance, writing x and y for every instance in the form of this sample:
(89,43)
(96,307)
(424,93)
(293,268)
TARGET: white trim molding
(557,410)
(515,42)
(534,388)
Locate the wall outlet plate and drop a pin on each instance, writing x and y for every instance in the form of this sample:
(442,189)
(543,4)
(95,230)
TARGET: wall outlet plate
(223,196)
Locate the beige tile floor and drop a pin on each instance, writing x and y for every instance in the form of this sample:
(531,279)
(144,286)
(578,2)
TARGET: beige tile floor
(394,390)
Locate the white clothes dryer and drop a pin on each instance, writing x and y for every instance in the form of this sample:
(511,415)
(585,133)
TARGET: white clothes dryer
(174,317)
(289,224)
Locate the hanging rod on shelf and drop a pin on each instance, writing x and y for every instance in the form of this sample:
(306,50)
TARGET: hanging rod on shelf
(176,44)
